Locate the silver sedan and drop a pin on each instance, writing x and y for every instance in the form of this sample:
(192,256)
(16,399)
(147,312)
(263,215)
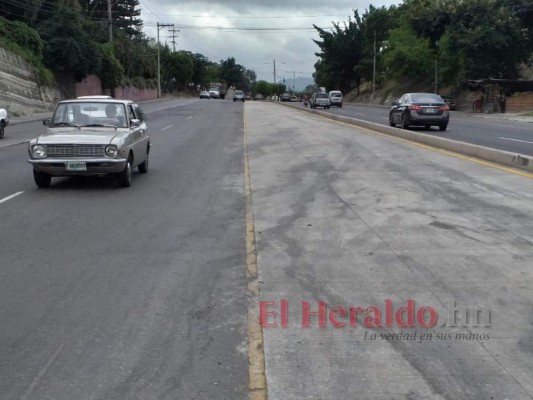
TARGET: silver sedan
(94,136)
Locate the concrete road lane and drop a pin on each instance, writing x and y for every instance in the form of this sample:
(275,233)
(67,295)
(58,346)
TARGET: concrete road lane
(358,220)
(137,293)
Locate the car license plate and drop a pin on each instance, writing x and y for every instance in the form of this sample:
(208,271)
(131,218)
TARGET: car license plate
(76,166)
(431,110)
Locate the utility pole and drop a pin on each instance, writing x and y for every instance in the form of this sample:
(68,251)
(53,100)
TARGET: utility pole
(293,80)
(174,36)
(110,20)
(274,61)
(374,70)
(159,26)
(437,68)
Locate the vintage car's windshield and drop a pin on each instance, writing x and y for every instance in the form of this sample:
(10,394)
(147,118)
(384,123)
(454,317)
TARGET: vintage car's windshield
(90,113)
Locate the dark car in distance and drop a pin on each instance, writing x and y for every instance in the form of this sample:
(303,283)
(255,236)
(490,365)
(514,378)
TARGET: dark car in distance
(285,97)
(450,101)
(420,109)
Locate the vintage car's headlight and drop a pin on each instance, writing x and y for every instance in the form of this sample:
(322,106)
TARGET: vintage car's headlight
(38,151)
(111,150)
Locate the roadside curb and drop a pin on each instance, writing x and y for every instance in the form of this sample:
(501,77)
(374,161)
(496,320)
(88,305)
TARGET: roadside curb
(501,157)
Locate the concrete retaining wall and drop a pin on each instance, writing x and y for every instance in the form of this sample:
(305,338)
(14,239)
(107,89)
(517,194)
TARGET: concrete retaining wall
(93,86)
(20,92)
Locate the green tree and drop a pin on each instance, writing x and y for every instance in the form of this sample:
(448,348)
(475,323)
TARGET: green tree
(111,70)
(68,48)
(488,39)
(375,24)
(231,72)
(124,14)
(408,56)
(177,69)
(341,50)
(21,10)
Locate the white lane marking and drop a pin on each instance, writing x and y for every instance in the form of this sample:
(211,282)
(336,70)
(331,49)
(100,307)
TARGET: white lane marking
(387,118)
(358,113)
(514,140)
(164,129)
(10,197)
(189,117)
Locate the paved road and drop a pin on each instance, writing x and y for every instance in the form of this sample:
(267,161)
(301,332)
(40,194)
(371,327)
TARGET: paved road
(138,293)
(353,219)
(499,131)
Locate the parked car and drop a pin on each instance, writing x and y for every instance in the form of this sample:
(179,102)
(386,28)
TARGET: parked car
(4,121)
(204,94)
(294,98)
(214,94)
(285,97)
(421,109)
(320,100)
(238,95)
(91,137)
(335,97)
(450,101)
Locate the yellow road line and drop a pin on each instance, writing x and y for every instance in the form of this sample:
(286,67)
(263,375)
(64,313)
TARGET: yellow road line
(257,388)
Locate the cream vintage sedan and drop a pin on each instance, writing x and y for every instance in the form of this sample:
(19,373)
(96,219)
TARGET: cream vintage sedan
(91,136)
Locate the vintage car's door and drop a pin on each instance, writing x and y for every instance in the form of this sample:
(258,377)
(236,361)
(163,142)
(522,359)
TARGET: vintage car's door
(140,134)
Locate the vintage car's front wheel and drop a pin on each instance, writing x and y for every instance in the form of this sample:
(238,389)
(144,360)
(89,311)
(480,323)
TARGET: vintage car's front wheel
(124,177)
(42,180)
(143,167)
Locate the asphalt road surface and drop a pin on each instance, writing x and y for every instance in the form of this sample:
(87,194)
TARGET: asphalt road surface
(140,293)
(496,131)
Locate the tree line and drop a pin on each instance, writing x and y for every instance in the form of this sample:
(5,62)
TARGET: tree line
(456,39)
(70,39)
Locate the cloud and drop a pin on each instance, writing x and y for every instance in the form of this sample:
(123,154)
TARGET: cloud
(254,32)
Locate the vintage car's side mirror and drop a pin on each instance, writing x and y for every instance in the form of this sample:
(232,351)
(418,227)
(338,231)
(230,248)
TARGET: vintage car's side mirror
(394,103)
(135,123)
(46,122)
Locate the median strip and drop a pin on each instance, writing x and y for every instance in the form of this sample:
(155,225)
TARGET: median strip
(257,386)
(501,157)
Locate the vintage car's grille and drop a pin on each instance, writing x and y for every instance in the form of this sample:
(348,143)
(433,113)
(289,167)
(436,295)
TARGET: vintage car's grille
(78,150)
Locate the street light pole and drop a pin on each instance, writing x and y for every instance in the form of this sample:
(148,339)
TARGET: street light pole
(159,26)
(274,61)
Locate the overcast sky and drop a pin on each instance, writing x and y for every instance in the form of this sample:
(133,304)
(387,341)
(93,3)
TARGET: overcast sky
(254,32)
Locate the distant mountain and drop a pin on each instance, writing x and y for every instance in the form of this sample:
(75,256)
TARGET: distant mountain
(300,83)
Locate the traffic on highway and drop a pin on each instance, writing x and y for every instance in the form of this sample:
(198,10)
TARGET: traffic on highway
(282,253)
